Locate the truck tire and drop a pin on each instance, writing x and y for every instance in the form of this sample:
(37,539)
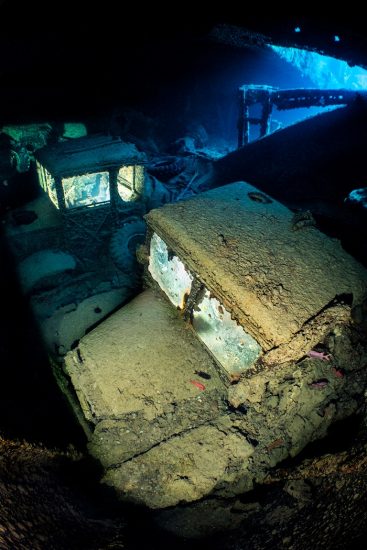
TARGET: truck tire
(167,168)
(123,245)
(44,269)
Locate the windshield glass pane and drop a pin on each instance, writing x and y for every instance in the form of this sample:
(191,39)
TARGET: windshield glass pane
(86,190)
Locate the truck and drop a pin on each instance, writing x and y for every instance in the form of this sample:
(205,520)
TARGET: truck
(245,345)
(74,244)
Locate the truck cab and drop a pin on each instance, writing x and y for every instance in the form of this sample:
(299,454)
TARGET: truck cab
(89,187)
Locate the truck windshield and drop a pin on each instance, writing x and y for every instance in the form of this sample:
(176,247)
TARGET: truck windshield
(86,190)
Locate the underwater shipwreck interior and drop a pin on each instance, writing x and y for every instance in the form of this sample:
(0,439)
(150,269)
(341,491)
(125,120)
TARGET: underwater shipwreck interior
(183,344)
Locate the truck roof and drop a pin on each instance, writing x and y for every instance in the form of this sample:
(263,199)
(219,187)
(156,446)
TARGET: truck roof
(88,154)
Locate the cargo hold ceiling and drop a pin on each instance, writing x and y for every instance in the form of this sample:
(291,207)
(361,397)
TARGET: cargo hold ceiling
(56,60)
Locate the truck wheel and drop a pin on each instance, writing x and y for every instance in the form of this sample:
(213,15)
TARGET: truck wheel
(167,168)
(44,269)
(123,245)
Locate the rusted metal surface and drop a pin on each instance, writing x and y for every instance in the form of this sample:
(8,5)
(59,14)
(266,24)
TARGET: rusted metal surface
(268,97)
